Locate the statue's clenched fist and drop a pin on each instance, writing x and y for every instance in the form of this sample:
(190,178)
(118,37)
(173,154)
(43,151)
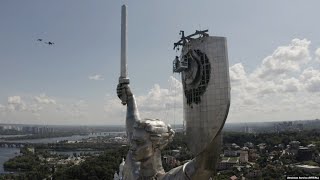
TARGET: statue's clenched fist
(124,92)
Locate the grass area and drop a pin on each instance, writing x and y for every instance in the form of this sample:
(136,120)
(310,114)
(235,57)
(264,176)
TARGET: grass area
(230,159)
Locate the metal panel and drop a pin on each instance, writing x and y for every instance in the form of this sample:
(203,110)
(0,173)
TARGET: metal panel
(204,119)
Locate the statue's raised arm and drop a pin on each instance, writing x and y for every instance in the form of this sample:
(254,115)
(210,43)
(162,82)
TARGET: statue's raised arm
(125,95)
(131,167)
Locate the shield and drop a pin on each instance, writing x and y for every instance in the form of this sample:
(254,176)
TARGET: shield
(206,89)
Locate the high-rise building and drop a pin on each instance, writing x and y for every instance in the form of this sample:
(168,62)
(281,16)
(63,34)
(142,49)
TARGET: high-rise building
(243,156)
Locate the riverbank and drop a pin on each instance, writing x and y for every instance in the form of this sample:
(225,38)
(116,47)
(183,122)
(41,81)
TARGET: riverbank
(93,144)
(39,136)
(5,155)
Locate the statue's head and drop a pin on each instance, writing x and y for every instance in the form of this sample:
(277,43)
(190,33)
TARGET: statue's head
(149,135)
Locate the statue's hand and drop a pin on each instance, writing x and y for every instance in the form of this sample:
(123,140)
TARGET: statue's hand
(124,92)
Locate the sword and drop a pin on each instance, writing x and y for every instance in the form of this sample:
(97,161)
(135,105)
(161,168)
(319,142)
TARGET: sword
(123,79)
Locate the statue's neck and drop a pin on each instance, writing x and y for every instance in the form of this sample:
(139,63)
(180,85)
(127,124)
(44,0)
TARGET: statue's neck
(152,166)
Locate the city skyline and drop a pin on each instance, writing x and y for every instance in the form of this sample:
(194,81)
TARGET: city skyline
(274,58)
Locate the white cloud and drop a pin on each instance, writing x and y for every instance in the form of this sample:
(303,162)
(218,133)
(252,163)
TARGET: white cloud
(43,99)
(15,103)
(114,110)
(284,87)
(285,60)
(317,53)
(2,108)
(14,100)
(26,108)
(96,77)
(35,108)
(39,109)
(313,85)
(291,85)
(161,103)
(237,73)
(310,78)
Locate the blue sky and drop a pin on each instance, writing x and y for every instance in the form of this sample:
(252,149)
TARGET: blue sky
(52,84)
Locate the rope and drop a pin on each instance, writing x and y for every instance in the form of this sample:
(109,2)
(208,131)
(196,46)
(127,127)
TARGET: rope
(174,105)
(167,108)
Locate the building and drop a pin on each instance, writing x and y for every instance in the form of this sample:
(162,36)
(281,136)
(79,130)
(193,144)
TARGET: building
(293,147)
(234,177)
(253,155)
(235,146)
(304,154)
(262,147)
(248,129)
(227,163)
(312,146)
(170,160)
(244,156)
(249,145)
(294,144)
(254,174)
(231,153)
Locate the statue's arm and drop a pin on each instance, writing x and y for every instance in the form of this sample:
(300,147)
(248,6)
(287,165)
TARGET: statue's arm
(125,94)
(131,167)
(132,116)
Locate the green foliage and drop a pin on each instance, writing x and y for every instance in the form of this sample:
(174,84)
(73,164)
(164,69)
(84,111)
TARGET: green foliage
(105,165)
(272,172)
(178,143)
(273,139)
(101,167)
(29,166)
(262,161)
(310,163)
(23,163)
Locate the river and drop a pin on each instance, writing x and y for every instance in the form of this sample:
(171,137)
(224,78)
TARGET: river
(5,155)
(68,138)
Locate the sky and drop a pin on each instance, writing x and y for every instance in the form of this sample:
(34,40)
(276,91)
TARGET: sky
(273,50)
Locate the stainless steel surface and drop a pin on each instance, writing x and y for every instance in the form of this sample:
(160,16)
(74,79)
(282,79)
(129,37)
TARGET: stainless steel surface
(123,42)
(123,79)
(205,116)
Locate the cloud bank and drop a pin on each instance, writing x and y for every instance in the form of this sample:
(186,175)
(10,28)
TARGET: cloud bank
(96,77)
(284,86)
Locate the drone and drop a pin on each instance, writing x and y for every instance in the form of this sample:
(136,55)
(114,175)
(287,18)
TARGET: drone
(50,43)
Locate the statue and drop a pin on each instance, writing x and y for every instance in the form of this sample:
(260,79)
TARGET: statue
(115,176)
(204,71)
(147,137)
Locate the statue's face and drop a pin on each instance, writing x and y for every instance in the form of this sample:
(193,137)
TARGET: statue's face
(141,145)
